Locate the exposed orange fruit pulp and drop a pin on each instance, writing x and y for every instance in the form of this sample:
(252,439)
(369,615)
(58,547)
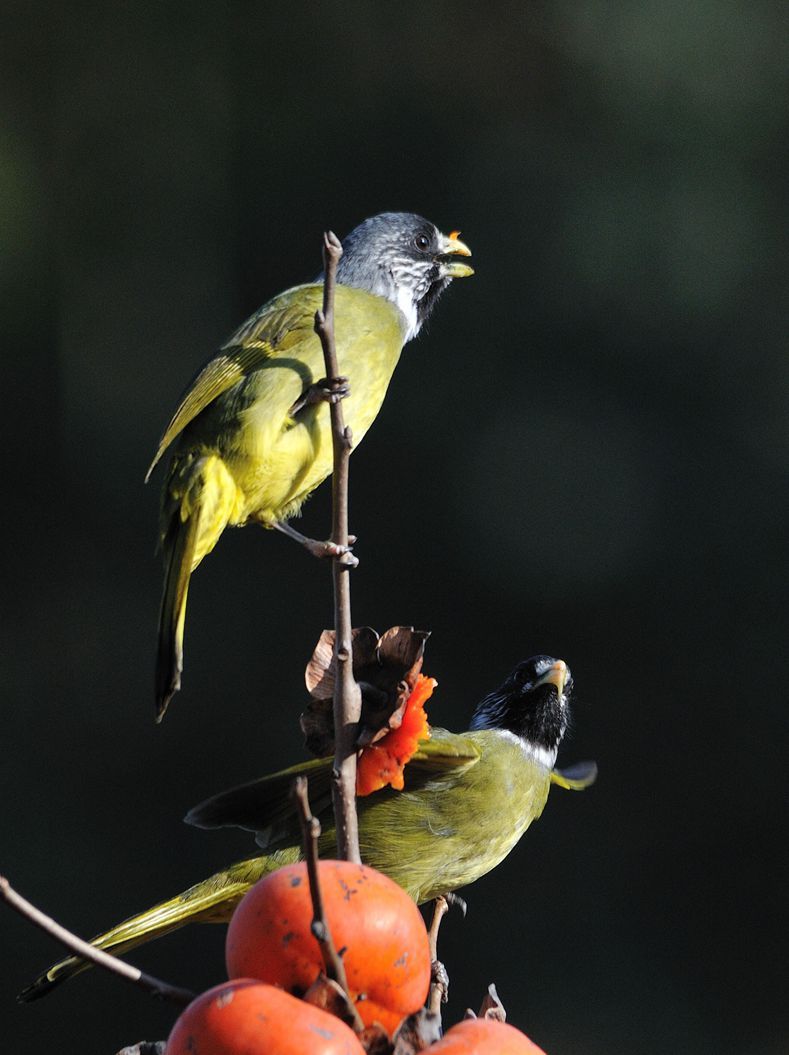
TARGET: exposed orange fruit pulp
(381,764)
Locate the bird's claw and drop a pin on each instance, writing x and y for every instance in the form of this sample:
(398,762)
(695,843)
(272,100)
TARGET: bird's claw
(330,549)
(439,979)
(319,549)
(456,901)
(324,391)
(328,390)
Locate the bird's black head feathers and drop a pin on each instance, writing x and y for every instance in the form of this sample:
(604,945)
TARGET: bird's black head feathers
(532,703)
(403,257)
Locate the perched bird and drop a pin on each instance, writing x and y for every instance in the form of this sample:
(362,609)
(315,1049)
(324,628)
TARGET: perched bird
(253,440)
(468,798)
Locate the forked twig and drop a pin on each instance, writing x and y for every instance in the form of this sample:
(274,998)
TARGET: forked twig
(347,696)
(153,986)
(311,830)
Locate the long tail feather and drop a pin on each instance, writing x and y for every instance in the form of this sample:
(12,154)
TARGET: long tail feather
(211,901)
(199,499)
(179,550)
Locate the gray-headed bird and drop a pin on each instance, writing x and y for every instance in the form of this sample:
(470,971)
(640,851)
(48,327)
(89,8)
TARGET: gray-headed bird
(252,438)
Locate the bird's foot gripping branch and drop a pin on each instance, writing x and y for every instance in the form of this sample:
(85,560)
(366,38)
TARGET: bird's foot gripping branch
(327,390)
(321,550)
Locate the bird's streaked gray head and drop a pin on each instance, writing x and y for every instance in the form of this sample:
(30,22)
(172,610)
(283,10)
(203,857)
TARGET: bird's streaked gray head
(532,703)
(405,258)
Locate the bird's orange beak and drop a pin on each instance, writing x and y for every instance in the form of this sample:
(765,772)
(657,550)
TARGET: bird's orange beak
(451,245)
(556,676)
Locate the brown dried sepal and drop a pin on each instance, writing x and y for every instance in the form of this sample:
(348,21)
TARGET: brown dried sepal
(145,1047)
(417,1032)
(491,1007)
(375,1040)
(386,669)
(327,995)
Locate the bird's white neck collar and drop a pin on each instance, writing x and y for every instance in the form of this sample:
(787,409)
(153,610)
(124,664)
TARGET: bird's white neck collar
(544,756)
(396,288)
(402,298)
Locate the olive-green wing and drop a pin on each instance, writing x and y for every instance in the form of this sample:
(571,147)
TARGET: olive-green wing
(266,805)
(577,777)
(266,334)
(443,752)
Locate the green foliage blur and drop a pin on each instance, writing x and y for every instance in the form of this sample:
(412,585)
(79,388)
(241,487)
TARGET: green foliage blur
(586,455)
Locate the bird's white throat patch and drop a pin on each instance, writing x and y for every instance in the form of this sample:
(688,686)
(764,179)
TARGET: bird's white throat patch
(404,287)
(404,299)
(544,756)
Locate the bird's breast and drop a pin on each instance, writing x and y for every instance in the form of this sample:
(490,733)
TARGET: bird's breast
(281,458)
(446,834)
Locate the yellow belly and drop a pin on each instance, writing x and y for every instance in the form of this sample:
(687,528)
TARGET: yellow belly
(245,457)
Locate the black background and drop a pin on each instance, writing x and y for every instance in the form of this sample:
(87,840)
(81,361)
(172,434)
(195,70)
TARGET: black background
(585,455)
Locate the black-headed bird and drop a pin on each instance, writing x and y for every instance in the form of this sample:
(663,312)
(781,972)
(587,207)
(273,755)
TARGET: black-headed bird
(468,799)
(252,437)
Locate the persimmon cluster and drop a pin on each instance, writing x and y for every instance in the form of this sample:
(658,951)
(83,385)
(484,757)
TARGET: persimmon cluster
(275,967)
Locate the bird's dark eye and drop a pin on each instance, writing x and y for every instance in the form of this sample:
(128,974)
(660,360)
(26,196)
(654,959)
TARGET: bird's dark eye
(520,678)
(422,242)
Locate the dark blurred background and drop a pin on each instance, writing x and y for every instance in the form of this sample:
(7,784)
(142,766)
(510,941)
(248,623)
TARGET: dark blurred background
(586,455)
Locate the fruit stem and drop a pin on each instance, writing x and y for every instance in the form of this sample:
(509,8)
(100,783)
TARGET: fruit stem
(332,959)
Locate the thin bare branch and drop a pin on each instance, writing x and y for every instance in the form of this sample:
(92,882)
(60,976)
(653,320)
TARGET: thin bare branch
(153,986)
(347,697)
(311,830)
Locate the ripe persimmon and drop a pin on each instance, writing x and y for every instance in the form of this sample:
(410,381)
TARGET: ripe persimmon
(248,1017)
(482,1036)
(386,954)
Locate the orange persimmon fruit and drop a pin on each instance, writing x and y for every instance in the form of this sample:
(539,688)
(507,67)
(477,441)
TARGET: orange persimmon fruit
(482,1036)
(248,1017)
(382,763)
(386,954)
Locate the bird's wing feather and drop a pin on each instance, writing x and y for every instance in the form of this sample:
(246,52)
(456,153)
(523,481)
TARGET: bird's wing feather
(576,777)
(443,753)
(266,334)
(265,803)
(221,373)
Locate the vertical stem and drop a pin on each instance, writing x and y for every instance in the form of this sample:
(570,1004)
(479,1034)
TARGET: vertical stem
(332,960)
(347,696)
